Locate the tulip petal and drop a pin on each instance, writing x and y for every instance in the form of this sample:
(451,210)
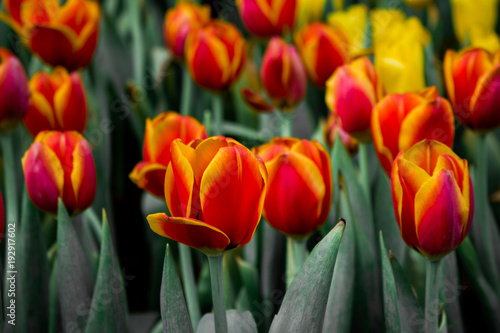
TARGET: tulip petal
(150,177)
(54,45)
(183,176)
(190,232)
(255,101)
(486,99)
(40,115)
(70,105)
(205,153)
(83,176)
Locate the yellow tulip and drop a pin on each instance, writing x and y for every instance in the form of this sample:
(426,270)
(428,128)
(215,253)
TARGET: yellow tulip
(352,22)
(468,15)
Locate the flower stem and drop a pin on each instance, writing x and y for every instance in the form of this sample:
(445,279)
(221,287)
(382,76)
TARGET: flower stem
(10,195)
(364,167)
(432,287)
(286,122)
(295,257)
(187,89)
(94,222)
(218,112)
(217,281)
(189,284)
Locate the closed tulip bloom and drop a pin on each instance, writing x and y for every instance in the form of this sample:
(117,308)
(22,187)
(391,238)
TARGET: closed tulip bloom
(61,35)
(215,191)
(299,188)
(283,74)
(473,84)
(161,131)
(400,121)
(266,18)
(333,128)
(14,91)
(185,17)
(351,93)
(433,198)
(215,55)
(58,102)
(60,165)
(323,49)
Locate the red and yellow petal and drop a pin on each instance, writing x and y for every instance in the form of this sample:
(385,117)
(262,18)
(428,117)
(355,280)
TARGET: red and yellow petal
(150,177)
(485,101)
(83,177)
(40,115)
(183,176)
(191,232)
(54,45)
(70,105)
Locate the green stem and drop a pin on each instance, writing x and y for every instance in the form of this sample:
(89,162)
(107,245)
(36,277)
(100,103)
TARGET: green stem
(432,287)
(485,250)
(217,281)
(189,284)
(241,130)
(295,257)
(218,112)
(94,221)
(9,168)
(364,167)
(286,122)
(187,91)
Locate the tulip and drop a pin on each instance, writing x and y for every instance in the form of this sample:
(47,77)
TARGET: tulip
(351,93)
(478,15)
(58,102)
(433,198)
(185,17)
(268,18)
(333,128)
(487,40)
(400,121)
(283,74)
(323,49)
(14,91)
(161,131)
(299,188)
(60,35)
(352,22)
(60,165)
(215,191)
(215,55)
(473,82)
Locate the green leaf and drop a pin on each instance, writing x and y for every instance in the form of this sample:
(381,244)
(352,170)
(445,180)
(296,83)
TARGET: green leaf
(33,276)
(392,322)
(74,280)
(304,305)
(250,278)
(236,322)
(449,296)
(54,310)
(109,312)
(174,313)
(338,314)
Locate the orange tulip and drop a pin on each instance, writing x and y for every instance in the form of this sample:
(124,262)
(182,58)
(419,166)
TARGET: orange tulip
(161,131)
(215,191)
(60,165)
(323,48)
(266,18)
(60,35)
(299,188)
(351,93)
(14,91)
(283,74)
(400,121)
(473,83)
(185,17)
(215,55)
(58,102)
(333,128)
(433,198)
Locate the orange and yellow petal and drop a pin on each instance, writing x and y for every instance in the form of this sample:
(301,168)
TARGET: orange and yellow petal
(83,177)
(70,105)
(150,177)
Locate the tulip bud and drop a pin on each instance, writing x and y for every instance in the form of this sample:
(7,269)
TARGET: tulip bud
(60,35)
(299,187)
(215,55)
(433,198)
(473,82)
(333,128)
(283,74)
(400,121)
(322,49)
(185,17)
(268,18)
(60,165)
(215,191)
(14,91)
(161,131)
(351,93)
(58,102)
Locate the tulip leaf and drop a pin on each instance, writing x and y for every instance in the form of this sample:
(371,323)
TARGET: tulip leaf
(304,305)
(339,312)
(54,310)
(33,270)
(392,322)
(250,278)
(174,313)
(451,290)
(109,312)
(74,280)
(410,312)
(236,322)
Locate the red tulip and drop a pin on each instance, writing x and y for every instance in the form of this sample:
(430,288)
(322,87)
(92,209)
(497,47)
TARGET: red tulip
(333,128)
